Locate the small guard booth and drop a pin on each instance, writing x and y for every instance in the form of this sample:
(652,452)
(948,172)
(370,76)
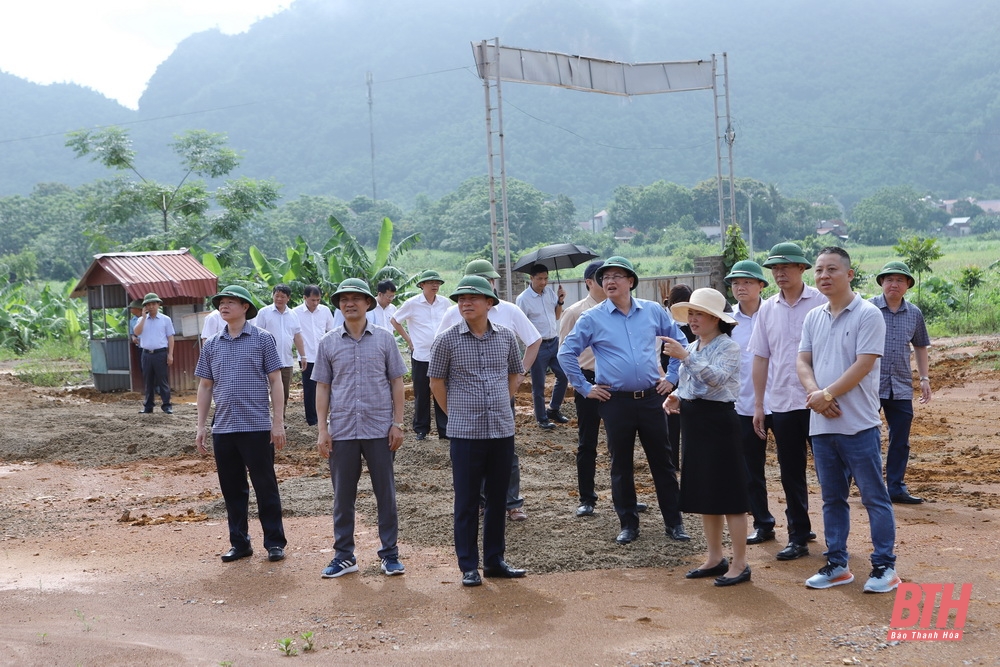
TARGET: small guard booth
(112,281)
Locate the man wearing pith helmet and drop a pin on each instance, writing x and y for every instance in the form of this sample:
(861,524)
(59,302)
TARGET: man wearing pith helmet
(422,315)
(238,367)
(904,326)
(509,315)
(746,280)
(156,338)
(475,369)
(622,332)
(775,344)
(359,400)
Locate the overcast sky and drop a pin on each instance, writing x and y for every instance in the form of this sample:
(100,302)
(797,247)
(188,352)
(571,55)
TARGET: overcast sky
(112,46)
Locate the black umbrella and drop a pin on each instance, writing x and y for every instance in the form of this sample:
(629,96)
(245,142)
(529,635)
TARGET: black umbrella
(556,256)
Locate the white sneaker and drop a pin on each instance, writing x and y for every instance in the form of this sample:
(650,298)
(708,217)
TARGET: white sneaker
(883,579)
(830,575)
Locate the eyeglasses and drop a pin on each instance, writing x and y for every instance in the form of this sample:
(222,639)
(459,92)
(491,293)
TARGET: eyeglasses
(613,276)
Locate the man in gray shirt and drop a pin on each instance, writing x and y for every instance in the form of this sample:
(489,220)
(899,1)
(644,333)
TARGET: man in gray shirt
(474,371)
(838,365)
(359,399)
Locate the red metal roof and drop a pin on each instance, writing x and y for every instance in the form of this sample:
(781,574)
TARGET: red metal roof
(174,275)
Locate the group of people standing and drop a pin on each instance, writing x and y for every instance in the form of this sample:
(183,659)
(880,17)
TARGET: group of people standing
(812,365)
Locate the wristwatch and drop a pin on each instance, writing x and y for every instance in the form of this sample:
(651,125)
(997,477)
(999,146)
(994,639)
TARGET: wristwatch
(398,425)
(827,395)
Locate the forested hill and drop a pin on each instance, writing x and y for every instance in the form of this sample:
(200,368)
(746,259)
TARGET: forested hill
(837,98)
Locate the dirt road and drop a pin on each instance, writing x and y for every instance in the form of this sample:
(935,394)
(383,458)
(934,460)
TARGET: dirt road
(112,527)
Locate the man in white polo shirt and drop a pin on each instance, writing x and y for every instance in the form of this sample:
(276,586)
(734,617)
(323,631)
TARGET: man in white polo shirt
(422,314)
(284,325)
(315,319)
(543,306)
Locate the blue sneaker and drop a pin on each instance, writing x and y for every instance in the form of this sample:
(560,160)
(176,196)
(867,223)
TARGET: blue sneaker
(830,575)
(392,566)
(883,579)
(340,566)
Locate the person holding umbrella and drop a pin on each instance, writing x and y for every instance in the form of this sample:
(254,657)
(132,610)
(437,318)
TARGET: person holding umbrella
(543,306)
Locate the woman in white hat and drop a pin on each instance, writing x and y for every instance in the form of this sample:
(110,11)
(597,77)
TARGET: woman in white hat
(713,474)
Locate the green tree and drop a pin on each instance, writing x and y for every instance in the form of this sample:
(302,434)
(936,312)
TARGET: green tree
(342,257)
(183,208)
(918,253)
(892,211)
(735,249)
(971,278)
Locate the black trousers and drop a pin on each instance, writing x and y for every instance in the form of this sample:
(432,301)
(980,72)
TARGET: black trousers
(755,455)
(309,395)
(474,462)
(236,454)
(588,426)
(422,401)
(791,437)
(156,376)
(624,419)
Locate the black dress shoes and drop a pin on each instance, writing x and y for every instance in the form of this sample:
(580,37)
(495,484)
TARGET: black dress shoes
(471,578)
(811,536)
(793,551)
(557,417)
(421,436)
(586,509)
(677,533)
(627,536)
(547,425)
(145,412)
(716,571)
(732,581)
(905,499)
(641,507)
(169,410)
(236,554)
(760,536)
(274,554)
(502,571)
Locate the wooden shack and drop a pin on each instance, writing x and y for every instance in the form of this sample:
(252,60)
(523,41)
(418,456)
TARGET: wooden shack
(112,281)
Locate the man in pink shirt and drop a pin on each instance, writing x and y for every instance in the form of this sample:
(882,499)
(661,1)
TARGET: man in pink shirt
(775,345)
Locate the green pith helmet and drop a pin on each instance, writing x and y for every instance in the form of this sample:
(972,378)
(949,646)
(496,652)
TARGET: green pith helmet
(786,253)
(151,298)
(898,268)
(481,267)
(357,286)
(474,285)
(241,293)
(429,274)
(617,262)
(746,269)
(136,303)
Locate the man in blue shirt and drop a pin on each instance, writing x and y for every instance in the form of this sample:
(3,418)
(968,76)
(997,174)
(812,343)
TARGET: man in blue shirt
(622,333)
(238,369)
(155,332)
(904,326)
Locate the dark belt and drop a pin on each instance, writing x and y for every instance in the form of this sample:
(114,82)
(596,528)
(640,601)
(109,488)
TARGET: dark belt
(549,340)
(635,395)
(162,349)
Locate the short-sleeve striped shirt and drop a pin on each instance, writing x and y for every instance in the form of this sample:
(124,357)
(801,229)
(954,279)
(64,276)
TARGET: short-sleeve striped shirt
(359,373)
(239,367)
(475,371)
(902,328)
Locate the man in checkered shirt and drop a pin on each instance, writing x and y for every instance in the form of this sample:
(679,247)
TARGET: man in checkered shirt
(474,371)
(238,367)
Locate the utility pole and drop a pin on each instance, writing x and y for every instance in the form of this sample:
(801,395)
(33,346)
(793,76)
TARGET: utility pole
(371,130)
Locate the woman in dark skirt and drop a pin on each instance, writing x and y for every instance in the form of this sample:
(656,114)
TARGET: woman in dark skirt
(713,474)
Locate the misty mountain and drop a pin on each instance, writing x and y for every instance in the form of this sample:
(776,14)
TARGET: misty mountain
(836,98)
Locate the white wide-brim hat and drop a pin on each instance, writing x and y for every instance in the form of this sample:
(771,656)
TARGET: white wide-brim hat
(707,300)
